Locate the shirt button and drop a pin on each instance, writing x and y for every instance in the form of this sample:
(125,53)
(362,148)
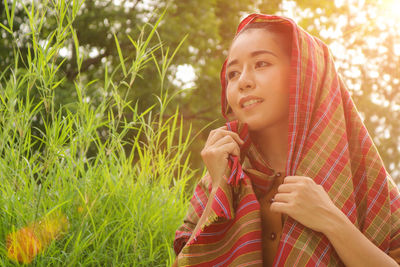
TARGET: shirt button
(278,174)
(273,236)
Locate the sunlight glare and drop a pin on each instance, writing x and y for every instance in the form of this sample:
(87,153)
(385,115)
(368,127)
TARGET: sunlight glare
(390,9)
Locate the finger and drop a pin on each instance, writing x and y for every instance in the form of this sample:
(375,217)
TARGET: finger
(213,132)
(220,148)
(298,179)
(286,188)
(280,207)
(224,140)
(292,179)
(230,148)
(234,135)
(282,197)
(220,133)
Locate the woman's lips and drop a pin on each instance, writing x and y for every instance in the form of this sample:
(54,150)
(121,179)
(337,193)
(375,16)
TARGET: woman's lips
(252,105)
(249,98)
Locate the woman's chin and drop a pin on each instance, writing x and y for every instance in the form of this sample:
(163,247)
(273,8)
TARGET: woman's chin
(253,126)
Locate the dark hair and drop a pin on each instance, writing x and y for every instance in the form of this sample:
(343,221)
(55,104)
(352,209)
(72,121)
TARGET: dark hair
(281,30)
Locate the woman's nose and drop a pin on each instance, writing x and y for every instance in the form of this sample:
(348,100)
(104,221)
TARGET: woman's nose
(246,81)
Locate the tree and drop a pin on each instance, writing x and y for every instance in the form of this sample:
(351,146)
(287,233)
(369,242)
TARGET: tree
(210,26)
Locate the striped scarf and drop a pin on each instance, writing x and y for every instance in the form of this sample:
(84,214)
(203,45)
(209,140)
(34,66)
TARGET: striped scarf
(327,142)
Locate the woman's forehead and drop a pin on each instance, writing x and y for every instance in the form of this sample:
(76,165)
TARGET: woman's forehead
(254,40)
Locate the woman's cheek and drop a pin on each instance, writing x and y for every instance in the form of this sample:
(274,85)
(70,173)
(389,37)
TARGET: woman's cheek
(230,98)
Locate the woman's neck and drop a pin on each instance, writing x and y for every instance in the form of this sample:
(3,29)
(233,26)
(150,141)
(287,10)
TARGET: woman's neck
(272,144)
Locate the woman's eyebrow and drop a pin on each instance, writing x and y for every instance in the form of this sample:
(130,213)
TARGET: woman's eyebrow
(253,54)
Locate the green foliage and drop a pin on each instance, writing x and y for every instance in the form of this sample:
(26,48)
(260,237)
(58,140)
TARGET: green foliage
(124,201)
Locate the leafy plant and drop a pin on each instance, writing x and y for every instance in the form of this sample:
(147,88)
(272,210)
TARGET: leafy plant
(124,200)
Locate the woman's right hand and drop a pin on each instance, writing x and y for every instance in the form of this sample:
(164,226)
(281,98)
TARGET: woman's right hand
(220,143)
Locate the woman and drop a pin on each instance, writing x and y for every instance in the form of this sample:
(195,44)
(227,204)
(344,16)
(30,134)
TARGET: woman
(293,177)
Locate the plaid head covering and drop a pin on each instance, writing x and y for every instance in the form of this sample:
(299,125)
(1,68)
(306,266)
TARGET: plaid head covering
(328,142)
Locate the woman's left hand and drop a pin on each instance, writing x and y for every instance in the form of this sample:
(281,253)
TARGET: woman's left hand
(306,202)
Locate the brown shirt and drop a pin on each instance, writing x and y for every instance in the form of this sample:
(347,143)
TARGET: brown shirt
(272,224)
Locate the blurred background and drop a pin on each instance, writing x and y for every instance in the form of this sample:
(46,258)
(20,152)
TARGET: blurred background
(364,38)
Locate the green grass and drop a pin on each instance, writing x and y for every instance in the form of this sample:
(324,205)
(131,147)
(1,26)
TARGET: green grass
(124,201)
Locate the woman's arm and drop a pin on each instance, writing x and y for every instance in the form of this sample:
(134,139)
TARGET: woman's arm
(354,248)
(308,203)
(220,143)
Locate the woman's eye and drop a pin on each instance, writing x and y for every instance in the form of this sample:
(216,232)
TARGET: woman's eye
(232,74)
(262,64)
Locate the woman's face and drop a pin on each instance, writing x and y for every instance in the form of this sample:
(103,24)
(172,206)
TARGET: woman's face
(258,79)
